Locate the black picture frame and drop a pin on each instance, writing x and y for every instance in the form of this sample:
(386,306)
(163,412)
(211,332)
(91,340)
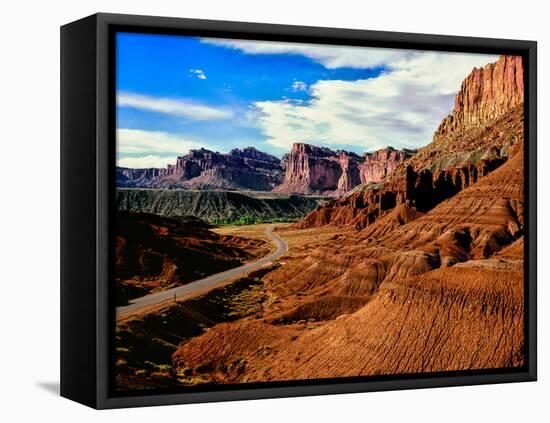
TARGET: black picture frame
(87,187)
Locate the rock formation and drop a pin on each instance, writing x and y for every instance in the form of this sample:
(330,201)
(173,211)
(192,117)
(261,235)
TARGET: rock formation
(246,169)
(316,170)
(351,174)
(474,140)
(307,169)
(422,272)
(485,94)
(310,170)
(381,163)
(432,280)
(126,176)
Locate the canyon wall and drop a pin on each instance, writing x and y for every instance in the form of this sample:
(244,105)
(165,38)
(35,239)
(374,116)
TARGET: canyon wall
(422,272)
(246,169)
(381,163)
(307,169)
(486,124)
(310,169)
(485,94)
(317,170)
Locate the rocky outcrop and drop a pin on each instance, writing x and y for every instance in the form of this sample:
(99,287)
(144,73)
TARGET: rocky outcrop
(381,163)
(485,94)
(246,169)
(412,293)
(310,169)
(469,144)
(351,174)
(421,190)
(307,169)
(126,176)
(317,170)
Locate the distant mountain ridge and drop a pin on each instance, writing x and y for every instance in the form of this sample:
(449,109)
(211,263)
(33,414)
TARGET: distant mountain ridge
(307,169)
(246,169)
(321,171)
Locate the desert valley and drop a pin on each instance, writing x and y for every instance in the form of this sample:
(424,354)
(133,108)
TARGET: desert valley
(242,267)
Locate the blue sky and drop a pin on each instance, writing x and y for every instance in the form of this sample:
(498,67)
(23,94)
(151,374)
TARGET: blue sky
(178,92)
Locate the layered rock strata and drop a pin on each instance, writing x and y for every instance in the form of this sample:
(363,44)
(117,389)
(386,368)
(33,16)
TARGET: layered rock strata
(316,170)
(247,169)
(487,122)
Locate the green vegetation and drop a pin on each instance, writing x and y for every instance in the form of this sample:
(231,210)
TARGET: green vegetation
(219,207)
(251,220)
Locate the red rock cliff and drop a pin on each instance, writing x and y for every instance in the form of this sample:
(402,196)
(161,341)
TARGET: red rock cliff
(485,94)
(351,177)
(381,163)
(317,170)
(470,143)
(204,169)
(310,169)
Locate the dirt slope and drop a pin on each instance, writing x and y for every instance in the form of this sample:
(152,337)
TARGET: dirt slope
(155,253)
(414,313)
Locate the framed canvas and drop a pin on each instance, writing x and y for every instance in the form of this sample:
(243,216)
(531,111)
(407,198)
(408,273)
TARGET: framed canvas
(257,211)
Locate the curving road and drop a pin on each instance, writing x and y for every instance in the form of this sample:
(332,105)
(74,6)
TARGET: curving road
(208,282)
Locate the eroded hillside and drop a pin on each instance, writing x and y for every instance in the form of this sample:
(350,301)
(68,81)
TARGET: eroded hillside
(415,293)
(214,206)
(422,272)
(155,253)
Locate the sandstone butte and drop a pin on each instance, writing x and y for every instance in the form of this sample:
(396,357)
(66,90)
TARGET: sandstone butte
(240,169)
(421,272)
(318,170)
(307,169)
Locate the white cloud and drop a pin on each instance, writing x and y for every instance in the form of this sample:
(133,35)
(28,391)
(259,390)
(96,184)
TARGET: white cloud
(402,107)
(329,56)
(299,86)
(137,141)
(143,162)
(199,73)
(177,107)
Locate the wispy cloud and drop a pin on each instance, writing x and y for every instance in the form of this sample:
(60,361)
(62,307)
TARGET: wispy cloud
(138,141)
(198,73)
(144,162)
(402,107)
(298,86)
(176,107)
(329,56)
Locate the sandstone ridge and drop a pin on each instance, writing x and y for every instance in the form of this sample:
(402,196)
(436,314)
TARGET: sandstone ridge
(470,143)
(246,169)
(317,170)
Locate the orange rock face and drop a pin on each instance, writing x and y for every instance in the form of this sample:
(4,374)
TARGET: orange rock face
(315,170)
(470,143)
(381,163)
(486,94)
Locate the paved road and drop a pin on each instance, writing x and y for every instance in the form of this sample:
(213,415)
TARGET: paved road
(208,282)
